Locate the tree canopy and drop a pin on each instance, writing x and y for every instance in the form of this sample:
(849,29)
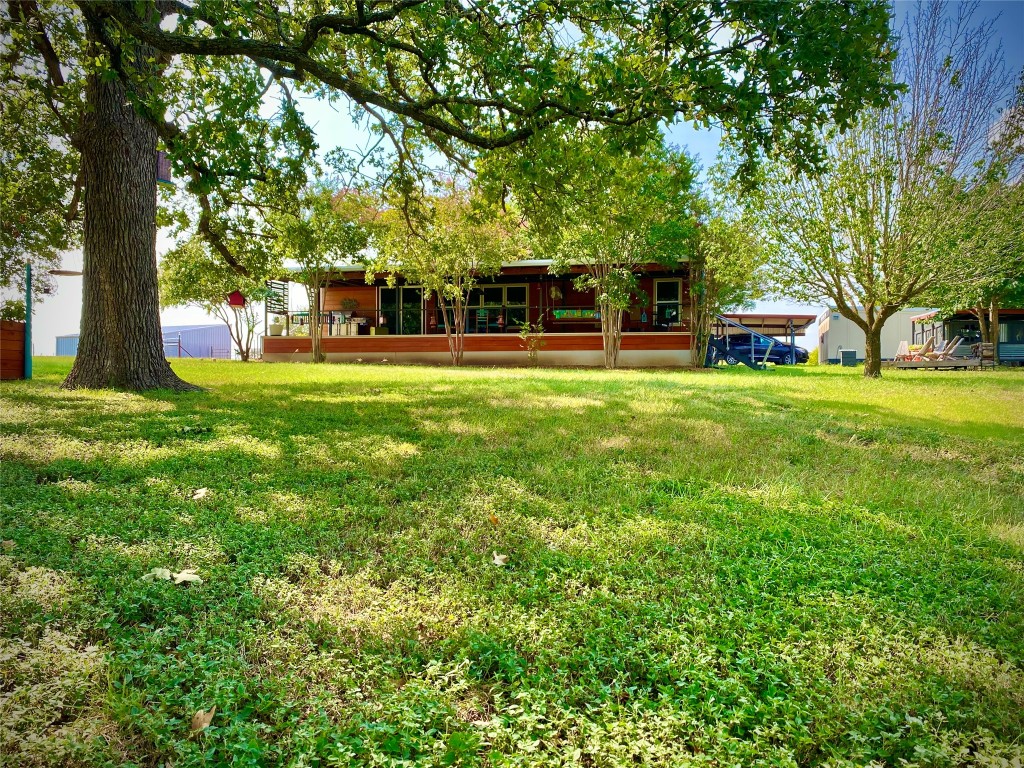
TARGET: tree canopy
(455,239)
(319,230)
(888,218)
(215,84)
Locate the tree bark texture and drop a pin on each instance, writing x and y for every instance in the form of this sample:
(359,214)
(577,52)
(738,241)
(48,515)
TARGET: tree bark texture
(456,336)
(120,344)
(873,350)
(700,314)
(313,294)
(611,334)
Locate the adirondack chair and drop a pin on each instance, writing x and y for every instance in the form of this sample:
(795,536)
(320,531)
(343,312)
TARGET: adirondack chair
(951,347)
(903,351)
(938,353)
(924,351)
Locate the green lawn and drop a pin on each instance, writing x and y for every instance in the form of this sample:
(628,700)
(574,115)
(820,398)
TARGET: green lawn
(794,567)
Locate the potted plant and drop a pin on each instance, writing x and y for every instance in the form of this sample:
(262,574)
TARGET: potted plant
(276,327)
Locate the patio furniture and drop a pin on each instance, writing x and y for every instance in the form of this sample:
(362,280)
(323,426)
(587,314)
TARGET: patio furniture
(927,348)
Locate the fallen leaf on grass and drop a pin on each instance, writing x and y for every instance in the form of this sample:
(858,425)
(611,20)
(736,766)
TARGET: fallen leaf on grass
(201,720)
(8,544)
(500,559)
(493,518)
(200,493)
(187,575)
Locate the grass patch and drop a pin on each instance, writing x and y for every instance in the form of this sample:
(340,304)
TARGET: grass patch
(795,567)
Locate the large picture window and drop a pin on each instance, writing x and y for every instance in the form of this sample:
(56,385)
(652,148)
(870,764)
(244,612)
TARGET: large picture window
(494,309)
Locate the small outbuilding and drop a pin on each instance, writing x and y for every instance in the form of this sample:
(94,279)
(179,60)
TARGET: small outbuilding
(212,341)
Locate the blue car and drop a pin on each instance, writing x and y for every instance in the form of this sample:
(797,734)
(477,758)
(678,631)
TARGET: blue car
(780,354)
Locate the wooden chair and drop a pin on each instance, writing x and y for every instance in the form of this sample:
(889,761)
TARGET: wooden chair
(940,352)
(951,347)
(986,354)
(925,350)
(903,351)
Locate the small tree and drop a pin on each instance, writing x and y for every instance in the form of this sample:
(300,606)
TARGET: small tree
(992,252)
(884,221)
(606,205)
(323,229)
(725,260)
(446,246)
(191,275)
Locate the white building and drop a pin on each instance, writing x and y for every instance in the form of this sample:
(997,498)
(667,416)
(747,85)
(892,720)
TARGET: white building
(836,333)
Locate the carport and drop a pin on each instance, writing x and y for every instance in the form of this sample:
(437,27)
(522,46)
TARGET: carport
(761,325)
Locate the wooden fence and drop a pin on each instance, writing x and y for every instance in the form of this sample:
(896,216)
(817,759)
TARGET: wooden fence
(12,350)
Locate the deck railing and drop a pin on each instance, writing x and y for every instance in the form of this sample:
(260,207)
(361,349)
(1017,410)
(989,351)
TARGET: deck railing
(406,321)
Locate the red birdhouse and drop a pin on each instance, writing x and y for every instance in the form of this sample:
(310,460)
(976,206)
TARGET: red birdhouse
(236,299)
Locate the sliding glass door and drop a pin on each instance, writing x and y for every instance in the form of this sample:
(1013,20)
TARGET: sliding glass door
(402,309)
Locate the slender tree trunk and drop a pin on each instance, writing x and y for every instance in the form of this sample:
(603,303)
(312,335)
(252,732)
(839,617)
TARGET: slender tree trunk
(455,335)
(700,314)
(981,312)
(241,332)
(120,344)
(313,294)
(873,349)
(611,334)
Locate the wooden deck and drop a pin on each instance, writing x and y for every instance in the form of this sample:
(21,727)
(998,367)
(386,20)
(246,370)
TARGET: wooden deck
(957,362)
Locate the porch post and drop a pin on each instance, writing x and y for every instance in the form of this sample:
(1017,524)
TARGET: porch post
(28,320)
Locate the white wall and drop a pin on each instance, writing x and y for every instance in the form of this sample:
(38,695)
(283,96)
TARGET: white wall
(836,333)
(60,314)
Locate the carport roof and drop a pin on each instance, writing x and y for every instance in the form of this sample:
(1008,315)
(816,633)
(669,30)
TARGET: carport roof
(773,325)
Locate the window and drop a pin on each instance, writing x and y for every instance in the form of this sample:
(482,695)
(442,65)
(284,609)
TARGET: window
(402,309)
(970,330)
(1011,331)
(495,308)
(668,302)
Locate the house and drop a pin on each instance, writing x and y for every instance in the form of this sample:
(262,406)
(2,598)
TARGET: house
(940,328)
(403,323)
(836,333)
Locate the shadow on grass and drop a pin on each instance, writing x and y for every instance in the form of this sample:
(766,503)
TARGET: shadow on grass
(665,579)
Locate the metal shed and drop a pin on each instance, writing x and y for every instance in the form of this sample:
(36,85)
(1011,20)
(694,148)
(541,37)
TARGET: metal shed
(212,341)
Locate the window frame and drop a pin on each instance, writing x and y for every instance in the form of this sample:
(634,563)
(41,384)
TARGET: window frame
(678,303)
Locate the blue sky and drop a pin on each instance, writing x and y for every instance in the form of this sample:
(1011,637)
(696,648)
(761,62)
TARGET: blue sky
(60,314)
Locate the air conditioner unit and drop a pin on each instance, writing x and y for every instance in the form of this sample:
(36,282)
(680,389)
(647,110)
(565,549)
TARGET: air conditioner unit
(848,357)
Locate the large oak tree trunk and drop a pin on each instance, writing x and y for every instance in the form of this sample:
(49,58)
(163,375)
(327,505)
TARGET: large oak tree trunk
(120,343)
(873,351)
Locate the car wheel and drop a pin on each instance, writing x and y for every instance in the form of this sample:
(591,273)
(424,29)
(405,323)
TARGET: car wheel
(731,360)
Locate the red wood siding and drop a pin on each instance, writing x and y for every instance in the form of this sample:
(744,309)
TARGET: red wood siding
(366,295)
(12,350)
(485,342)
